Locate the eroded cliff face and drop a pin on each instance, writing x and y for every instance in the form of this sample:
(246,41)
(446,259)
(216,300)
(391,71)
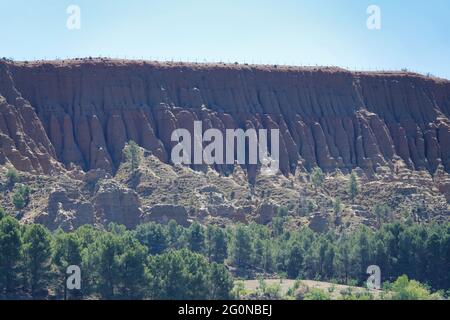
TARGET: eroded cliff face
(58,115)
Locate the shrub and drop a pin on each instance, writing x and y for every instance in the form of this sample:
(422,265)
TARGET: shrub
(239,290)
(348,294)
(271,291)
(317,177)
(405,289)
(310,205)
(18,201)
(317,294)
(12,176)
(21,197)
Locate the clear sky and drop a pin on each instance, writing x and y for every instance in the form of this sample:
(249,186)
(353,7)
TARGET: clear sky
(414,34)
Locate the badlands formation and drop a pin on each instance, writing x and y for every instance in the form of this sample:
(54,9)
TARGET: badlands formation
(64,124)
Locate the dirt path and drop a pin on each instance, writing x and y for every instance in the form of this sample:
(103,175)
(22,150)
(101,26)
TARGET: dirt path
(286,284)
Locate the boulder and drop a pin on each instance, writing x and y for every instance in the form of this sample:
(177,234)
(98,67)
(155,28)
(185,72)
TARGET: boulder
(318,223)
(444,187)
(116,203)
(93,176)
(265,212)
(66,210)
(238,214)
(163,213)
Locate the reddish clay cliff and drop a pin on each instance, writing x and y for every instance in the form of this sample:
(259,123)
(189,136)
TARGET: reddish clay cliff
(82,112)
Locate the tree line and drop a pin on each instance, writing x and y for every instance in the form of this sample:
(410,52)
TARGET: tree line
(115,264)
(157,261)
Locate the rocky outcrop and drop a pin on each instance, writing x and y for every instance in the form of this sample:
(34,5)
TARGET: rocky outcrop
(266,212)
(66,210)
(166,192)
(115,203)
(319,223)
(81,113)
(238,214)
(163,213)
(70,207)
(23,139)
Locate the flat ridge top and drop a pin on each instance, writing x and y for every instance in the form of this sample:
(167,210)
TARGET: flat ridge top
(199,66)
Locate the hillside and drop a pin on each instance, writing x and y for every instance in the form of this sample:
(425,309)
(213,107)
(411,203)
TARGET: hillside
(64,124)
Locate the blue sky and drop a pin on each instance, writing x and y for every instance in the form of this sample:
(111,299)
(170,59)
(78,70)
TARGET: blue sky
(414,34)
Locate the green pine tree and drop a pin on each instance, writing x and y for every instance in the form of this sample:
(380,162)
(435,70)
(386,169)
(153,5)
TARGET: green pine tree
(10,255)
(37,252)
(353,186)
(317,177)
